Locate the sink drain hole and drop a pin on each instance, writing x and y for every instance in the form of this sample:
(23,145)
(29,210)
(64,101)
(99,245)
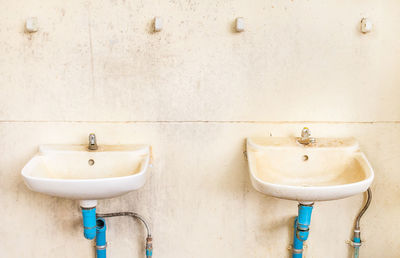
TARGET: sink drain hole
(91,162)
(305,157)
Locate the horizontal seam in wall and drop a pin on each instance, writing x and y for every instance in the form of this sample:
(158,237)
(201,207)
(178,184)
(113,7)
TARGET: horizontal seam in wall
(199,121)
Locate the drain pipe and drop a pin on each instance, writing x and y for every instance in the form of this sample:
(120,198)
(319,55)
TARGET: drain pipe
(356,242)
(301,228)
(89,218)
(149,239)
(101,244)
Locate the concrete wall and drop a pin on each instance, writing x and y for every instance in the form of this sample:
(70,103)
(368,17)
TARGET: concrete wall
(195,91)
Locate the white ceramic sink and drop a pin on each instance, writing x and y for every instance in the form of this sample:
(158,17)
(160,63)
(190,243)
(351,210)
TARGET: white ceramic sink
(72,171)
(331,168)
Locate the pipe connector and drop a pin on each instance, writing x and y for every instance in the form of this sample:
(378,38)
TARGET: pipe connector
(356,242)
(149,247)
(303,221)
(302,234)
(301,228)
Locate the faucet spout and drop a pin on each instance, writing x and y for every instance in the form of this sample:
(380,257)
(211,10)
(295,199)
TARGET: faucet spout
(92,142)
(306,138)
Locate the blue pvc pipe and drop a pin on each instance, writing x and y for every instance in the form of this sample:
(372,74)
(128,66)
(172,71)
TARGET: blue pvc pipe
(101,243)
(301,229)
(297,244)
(303,221)
(356,248)
(89,222)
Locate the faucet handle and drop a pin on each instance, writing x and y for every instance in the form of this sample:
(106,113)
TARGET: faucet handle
(305,132)
(92,142)
(92,138)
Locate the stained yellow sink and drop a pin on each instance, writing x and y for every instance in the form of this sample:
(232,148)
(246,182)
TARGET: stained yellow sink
(329,169)
(72,171)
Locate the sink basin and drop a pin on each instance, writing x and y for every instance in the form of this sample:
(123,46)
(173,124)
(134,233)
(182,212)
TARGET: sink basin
(330,169)
(72,171)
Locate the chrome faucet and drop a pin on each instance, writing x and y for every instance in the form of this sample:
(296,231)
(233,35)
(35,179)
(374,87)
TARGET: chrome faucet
(92,142)
(306,138)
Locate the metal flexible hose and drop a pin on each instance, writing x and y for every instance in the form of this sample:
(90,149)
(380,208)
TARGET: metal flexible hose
(127,213)
(369,197)
(356,243)
(149,239)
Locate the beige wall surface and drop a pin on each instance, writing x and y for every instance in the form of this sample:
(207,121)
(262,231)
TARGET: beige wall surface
(195,91)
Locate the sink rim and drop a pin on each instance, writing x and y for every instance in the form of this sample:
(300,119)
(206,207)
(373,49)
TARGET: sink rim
(258,184)
(351,143)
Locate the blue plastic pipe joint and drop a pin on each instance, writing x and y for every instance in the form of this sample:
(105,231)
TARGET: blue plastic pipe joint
(101,244)
(89,222)
(301,229)
(149,247)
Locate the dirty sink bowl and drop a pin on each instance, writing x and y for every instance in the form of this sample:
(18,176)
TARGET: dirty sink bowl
(72,171)
(330,169)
